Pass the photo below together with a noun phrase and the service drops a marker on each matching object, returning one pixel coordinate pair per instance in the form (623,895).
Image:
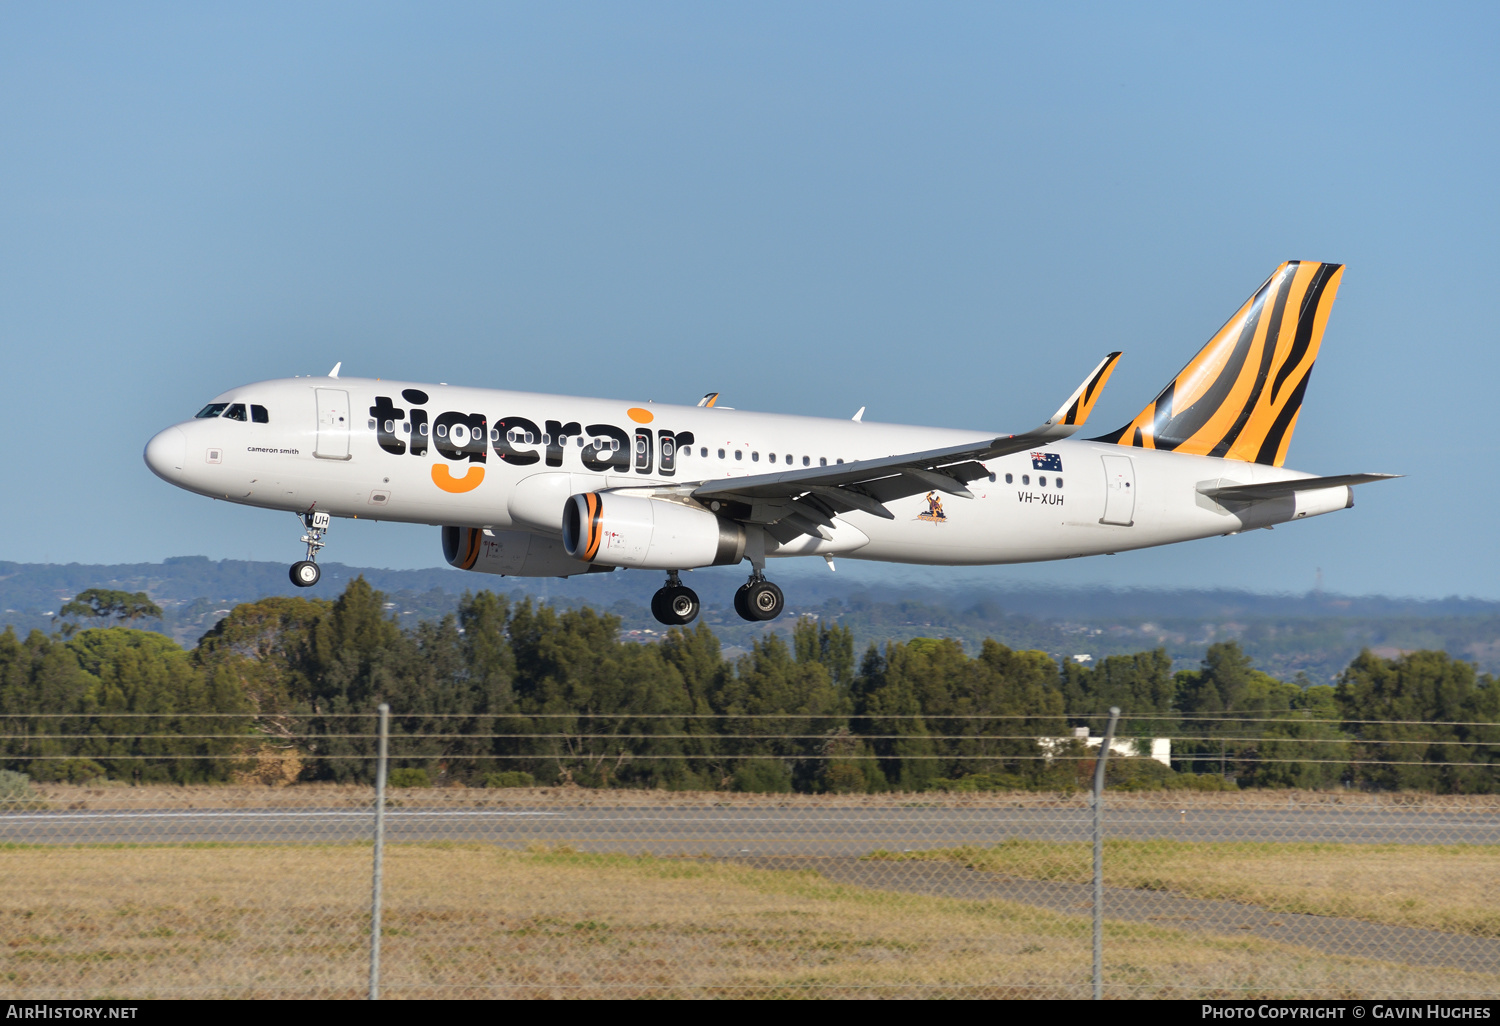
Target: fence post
(1109,736)
(380,760)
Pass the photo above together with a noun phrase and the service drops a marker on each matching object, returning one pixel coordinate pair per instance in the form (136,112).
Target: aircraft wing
(1276,489)
(796,502)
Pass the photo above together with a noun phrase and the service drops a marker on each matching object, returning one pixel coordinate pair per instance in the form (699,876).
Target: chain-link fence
(261,886)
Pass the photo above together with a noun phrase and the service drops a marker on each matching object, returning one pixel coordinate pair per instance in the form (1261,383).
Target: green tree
(1439,715)
(100,604)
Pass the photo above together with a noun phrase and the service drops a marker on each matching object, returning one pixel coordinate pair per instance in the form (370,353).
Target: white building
(1161,747)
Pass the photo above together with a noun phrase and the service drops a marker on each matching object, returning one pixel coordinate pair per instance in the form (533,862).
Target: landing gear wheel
(305,573)
(675,606)
(759,600)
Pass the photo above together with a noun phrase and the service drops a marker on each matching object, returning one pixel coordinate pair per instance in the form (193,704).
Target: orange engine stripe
(596,509)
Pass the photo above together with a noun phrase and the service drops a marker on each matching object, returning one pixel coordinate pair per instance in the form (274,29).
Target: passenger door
(333,424)
(1119,491)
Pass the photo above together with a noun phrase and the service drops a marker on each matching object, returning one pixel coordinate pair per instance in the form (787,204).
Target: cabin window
(406,427)
(1026,479)
(789,459)
(640,447)
(211,410)
(721,454)
(1057,481)
(807,461)
(838,460)
(442,430)
(992,479)
(703,451)
(546,439)
(771,457)
(260,415)
(372,424)
(1009,479)
(755,457)
(235,412)
(422,430)
(738,454)
(390,427)
(822,461)
(1041,482)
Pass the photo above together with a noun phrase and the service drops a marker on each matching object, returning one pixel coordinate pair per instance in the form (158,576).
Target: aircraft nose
(166,454)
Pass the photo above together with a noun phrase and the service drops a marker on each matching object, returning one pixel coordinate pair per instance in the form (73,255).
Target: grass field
(1441,887)
(474,920)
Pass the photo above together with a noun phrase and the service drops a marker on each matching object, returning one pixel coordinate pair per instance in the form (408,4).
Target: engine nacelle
(653,534)
(511,553)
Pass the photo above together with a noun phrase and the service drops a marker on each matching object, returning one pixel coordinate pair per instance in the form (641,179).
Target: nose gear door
(333,424)
(1119,491)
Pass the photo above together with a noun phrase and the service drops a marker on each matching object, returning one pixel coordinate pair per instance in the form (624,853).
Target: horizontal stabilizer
(1277,489)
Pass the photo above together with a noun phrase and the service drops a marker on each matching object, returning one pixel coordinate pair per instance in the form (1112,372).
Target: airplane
(533,485)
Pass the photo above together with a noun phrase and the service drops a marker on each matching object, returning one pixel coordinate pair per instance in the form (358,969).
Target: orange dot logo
(639,415)
(448,483)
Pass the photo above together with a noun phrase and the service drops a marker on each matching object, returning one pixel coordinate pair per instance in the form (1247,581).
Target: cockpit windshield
(234,411)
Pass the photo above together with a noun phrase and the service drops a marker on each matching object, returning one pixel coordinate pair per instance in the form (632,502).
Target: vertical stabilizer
(1239,397)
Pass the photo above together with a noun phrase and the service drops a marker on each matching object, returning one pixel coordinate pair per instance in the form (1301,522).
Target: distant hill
(1313,634)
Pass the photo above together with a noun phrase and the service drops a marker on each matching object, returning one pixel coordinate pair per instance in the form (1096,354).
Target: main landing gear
(674,604)
(305,572)
(759,599)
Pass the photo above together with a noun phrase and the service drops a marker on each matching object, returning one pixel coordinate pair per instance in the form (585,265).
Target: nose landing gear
(306,572)
(673,604)
(759,599)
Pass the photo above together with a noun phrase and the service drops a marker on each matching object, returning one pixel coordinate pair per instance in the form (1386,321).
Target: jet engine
(511,553)
(655,534)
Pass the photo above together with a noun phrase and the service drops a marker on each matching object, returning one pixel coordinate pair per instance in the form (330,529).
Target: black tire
(741,606)
(658,609)
(679,606)
(305,573)
(764,601)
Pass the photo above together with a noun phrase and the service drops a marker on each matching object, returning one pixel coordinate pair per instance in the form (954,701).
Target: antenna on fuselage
(335,372)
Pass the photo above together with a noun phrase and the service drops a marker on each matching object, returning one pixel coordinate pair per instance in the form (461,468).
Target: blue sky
(945,213)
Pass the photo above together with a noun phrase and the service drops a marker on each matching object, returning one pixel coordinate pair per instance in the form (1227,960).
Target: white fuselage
(356,448)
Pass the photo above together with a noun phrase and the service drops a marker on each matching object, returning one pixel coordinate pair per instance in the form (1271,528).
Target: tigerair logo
(470,438)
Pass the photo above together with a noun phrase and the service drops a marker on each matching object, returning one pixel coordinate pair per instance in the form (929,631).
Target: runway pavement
(735,831)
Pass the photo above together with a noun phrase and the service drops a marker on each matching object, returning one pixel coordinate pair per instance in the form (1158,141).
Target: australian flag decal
(1046,461)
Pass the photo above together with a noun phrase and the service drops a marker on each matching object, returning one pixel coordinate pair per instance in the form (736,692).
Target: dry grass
(474,920)
(120,796)
(1440,887)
